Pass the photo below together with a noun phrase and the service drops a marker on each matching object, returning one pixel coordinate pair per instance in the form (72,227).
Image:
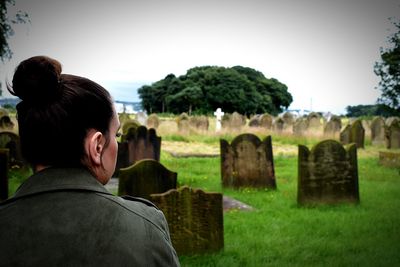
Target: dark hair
(56,112)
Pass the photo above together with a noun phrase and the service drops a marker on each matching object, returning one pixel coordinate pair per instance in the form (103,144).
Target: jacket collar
(59,179)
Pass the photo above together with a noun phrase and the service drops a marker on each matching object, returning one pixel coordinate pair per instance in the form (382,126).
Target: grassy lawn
(279,232)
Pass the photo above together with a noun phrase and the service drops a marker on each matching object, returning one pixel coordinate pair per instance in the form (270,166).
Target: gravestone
(327,174)
(266,121)
(279,124)
(10,140)
(138,143)
(146,177)
(255,121)
(247,162)
(300,127)
(378,131)
(218,118)
(4,154)
(124,117)
(289,119)
(195,219)
(333,126)
(199,123)
(314,120)
(183,123)
(233,122)
(153,121)
(6,124)
(353,133)
(141,117)
(393,135)
(128,124)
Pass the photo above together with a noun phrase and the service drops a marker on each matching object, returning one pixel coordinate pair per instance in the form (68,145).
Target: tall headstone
(144,178)
(333,126)
(279,124)
(183,123)
(353,133)
(4,174)
(195,219)
(218,118)
(300,127)
(247,162)
(327,174)
(378,131)
(153,121)
(138,143)
(314,120)
(266,121)
(393,135)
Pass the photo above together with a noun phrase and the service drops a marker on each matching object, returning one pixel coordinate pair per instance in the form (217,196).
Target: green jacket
(65,217)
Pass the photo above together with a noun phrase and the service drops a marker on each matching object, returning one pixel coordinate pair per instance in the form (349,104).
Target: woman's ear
(94,147)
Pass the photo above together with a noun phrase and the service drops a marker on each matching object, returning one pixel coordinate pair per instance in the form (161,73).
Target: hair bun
(37,79)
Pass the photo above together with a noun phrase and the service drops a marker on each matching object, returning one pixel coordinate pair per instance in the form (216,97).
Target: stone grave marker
(279,124)
(353,133)
(314,120)
(4,154)
(183,123)
(300,127)
(10,140)
(327,174)
(289,119)
(199,123)
(389,159)
(255,121)
(393,135)
(378,131)
(195,219)
(138,143)
(266,121)
(218,118)
(124,117)
(233,122)
(146,177)
(128,124)
(6,124)
(153,121)
(247,162)
(333,126)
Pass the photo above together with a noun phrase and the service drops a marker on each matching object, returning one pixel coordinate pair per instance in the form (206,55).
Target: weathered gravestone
(314,120)
(6,124)
(146,177)
(4,153)
(327,174)
(233,122)
(393,135)
(138,143)
(183,123)
(124,117)
(333,126)
(279,124)
(378,131)
(128,124)
(195,219)
(353,133)
(199,123)
(9,140)
(153,121)
(255,121)
(266,121)
(300,127)
(218,119)
(247,162)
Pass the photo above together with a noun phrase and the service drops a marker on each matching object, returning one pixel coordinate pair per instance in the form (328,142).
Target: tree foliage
(389,71)
(204,89)
(371,110)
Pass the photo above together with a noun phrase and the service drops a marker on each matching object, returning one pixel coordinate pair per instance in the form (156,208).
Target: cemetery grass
(281,233)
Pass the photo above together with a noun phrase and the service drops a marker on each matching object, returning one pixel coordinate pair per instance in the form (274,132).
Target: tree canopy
(204,89)
(389,71)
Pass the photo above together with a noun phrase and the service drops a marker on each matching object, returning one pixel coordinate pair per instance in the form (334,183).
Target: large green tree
(204,89)
(389,71)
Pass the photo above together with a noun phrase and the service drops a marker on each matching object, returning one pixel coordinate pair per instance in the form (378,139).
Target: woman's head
(57,112)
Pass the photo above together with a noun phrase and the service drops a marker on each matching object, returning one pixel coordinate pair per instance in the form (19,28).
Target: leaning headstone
(327,174)
(353,133)
(333,126)
(4,174)
(153,121)
(393,135)
(9,140)
(218,118)
(144,178)
(378,131)
(247,162)
(195,219)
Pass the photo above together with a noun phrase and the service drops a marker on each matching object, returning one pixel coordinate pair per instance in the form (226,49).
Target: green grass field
(279,232)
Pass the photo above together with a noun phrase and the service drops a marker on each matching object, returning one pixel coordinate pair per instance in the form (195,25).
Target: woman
(63,215)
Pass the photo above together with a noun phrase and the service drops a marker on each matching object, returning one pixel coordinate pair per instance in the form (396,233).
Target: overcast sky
(323,50)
